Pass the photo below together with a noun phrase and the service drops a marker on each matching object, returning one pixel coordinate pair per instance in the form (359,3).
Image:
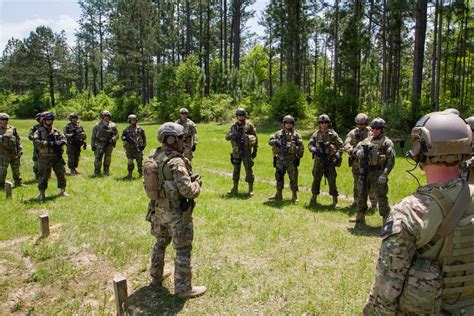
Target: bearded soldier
(355,136)
(104,138)
(10,151)
(326,147)
(134,142)
(426,260)
(190,132)
(76,138)
(50,141)
(468,166)
(172,188)
(39,119)
(288,149)
(243,138)
(376,158)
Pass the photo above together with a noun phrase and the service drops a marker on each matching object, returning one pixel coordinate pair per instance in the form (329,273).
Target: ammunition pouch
(275,161)
(235,158)
(351,161)
(276,150)
(104,134)
(171,190)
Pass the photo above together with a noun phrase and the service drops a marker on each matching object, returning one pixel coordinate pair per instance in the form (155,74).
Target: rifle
(128,137)
(187,205)
(283,146)
(240,138)
(322,146)
(57,147)
(109,139)
(364,168)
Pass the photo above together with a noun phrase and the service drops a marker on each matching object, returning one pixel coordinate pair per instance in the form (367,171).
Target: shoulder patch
(391,227)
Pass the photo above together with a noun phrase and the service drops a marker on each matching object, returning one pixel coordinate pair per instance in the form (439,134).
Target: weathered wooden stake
(44,225)
(121,296)
(8,189)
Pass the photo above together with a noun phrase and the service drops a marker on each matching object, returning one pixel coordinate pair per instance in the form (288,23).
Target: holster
(187,207)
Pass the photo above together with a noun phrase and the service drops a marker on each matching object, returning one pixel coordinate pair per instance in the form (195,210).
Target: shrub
(217,108)
(288,100)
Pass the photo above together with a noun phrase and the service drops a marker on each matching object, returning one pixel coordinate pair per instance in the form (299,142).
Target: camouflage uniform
(76,138)
(352,139)
(381,160)
(190,137)
(411,225)
(166,216)
(10,153)
(35,150)
(288,149)
(134,142)
(238,135)
(104,138)
(50,156)
(325,146)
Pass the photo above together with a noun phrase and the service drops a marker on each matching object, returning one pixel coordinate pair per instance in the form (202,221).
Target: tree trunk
(434,61)
(208,52)
(236,7)
(420,33)
(438,57)
(225,36)
(464,52)
(188,28)
(384,53)
(51,82)
(270,59)
(336,44)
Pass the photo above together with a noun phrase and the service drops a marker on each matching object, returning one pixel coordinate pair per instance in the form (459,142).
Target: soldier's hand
(84,146)
(51,144)
(382,179)
(193,147)
(360,154)
(234,137)
(58,143)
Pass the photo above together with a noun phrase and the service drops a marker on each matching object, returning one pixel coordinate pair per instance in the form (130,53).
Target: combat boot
(19,184)
(294,196)
(359,218)
(277,197)
(194,292)
(129,175)
(159,281)
(334,201)
(73,172)
(63,192)
(250,189)
(42,195)
(235,188)
(373,207)
(314,200)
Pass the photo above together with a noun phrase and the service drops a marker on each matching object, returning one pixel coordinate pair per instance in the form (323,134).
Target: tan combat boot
(63,192)
(250,189)
(314,200)
(159,281)
(129,175)
(73,172)
(42,195)
(294,196)
(194,292)
(235,188)
(334,201)
(277,197)
(359,218)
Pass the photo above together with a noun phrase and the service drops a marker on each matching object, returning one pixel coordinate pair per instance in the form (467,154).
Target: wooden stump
(44,219)
(8,189)
(121,296)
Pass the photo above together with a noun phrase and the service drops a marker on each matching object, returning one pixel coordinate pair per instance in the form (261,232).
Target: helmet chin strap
(410,171)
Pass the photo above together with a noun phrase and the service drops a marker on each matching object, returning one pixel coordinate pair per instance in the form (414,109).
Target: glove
(360,154)
(382,179)
(142,148)
(336,159)
(234,137)
(254,154)
(93,148)
(84,146)
(58,143)
(193,147)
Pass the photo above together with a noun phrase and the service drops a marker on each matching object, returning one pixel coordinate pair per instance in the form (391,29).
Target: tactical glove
(382,179)
(336,159)
(58,143)
(234,137)
(193,147)
(297,162)
(360,154)
(51,144)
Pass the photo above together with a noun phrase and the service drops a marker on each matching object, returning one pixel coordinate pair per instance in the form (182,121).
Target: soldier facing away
(39,119)
(354,137)
(104,138)
(50,141)
(190,132)
(468,166)
(326,147)
(426,258)
(172,188)
(243,138)
(376,158)
(10,151)
(76,138)
(134,142)
(288,149)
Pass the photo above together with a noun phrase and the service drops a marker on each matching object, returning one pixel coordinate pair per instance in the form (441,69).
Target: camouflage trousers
(372,195)
(187,151)
(14,162)
(35,161)
(182,237)
(133,154)
(282,167)
(328,170)
(45,164)
(237,160)
(73,155)
(105,152)
(380,190)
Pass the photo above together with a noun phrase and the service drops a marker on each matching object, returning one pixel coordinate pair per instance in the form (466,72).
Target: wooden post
(8,189)
(44,225)
(121,296)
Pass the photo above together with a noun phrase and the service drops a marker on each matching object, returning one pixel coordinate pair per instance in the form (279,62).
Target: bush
(217,108)
(26,106)
(88,107)
(288,100)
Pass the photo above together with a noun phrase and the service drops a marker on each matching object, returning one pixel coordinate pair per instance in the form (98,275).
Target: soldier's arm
(253,131)
(65,131)
(115,133)
(228,136)
(144,138)
(61,137)
(347,143)
(339,143)
(273,139)
(390,152)
(195,133)
(312,144)
(19,148)
(31,133)
(38,141)
(93,136)
(186,187)
(299,142)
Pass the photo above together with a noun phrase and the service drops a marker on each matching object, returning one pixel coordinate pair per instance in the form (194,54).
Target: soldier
(172,188)
(326,147)
(288,149)
(355,136)
(39,119)
(190,132)
(376,157)
(10,151)
(49,141)
(104,138)
(76,138)
(243,138)
(134,142)
(468,166)
(425,260)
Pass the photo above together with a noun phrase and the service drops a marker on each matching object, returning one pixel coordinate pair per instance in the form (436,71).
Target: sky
(19,17)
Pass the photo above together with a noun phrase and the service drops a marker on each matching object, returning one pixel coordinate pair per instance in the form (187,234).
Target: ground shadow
(154,300)
(237,196)
(279,203)
(32,181)
(34,200)
(124,178)
(362,229)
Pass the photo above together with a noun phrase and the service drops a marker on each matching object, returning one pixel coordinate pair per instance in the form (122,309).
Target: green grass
(253,255)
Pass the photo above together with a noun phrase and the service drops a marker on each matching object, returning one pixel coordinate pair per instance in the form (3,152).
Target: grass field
(254,256)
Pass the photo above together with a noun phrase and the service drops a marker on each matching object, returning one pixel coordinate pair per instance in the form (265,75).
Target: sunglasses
(3,119)
(379,128)
(323,122)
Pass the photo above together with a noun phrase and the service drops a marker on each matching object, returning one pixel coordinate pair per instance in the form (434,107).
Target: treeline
(395,58)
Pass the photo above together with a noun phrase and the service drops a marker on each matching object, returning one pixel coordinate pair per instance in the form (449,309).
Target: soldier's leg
(382,191)
(70,156)
(373,198)
(139,158)
(107,158)
(59,170)
(293,176)
(15,165)
(4,161)
(163,239)
(99,153)
(355,176)
(248,165)
(331,174)
(76,156)
(364,188)
(182,242)
(35,162)
(318,172)
(44,172)
(236,163)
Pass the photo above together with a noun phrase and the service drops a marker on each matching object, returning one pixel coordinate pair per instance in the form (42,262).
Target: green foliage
(188,75)
(87,106)
(288,99)
(126,105)
(27,105)
(217,108)
(169,97)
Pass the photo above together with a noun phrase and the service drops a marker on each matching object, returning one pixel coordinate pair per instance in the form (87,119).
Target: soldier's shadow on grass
(238,196)
(34,200)
(124,179)
(152,300)
(279,203)
(329,208)
(362,229)
(31,181)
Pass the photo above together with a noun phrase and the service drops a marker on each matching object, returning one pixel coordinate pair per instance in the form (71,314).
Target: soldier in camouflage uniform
(39,119)
(50,141)
(468,166)
(171,206)
(243,138)
(104,138)
(134,142)
(326,147)
(376,158)
(190,132)
(355,136)
(10,151)
(288,149)
(76,138)
(426,260)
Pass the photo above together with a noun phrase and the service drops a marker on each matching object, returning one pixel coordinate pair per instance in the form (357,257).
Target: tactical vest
(358,136)
(287,144)
(45,135)
(78,133)
(377,152)
(136,135)
(329,140)
(247,141)
(188,133)
(9,138)
(104,132)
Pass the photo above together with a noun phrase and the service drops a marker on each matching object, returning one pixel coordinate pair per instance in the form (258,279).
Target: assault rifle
(364,168)
(56,145)
(128,137)
(187,205)
(239,138)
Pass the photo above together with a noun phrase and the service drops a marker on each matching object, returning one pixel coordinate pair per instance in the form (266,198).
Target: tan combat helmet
(470,121)
(105,113)
(170,129)
(324,118)
(441,137)
(131,117)
(452,111)
(241,111)
(4,116)
(73,115)
(361,118)
(183,111)
(288,118)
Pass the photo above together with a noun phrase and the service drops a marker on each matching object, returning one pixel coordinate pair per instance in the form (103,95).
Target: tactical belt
(375,168)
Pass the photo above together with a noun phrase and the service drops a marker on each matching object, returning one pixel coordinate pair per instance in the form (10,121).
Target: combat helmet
(377,122)
(288,118)
(48,116)
(470,121)
(130,117)
(39,116)
(4,116)
(105,113)
(361,118)
(241,111)
(324,118)
(170,129)
(73,115)
(183,111)
(452,111)
(441,137)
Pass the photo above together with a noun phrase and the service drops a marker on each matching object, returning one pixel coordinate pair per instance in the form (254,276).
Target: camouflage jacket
(134,138)
(190,131)
(381,152)
(10,141)
(328,142)
(238,135)
(287,145)
(354,137)
(32,131)
(44,138)
(412,224)
(104,134)
(75,134)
